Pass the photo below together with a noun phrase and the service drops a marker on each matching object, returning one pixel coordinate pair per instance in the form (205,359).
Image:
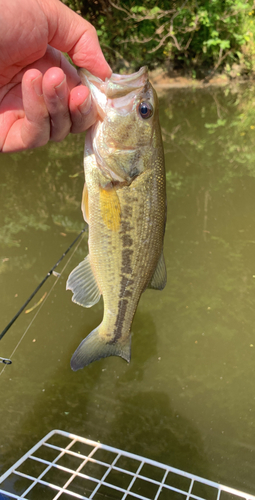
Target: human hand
(41,98)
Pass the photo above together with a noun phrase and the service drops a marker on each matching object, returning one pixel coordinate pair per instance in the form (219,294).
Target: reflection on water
(187,398)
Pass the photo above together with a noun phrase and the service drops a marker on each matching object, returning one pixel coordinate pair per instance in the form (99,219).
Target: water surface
(188,396)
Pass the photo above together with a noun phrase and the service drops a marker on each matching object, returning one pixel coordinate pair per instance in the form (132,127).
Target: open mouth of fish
(118,92)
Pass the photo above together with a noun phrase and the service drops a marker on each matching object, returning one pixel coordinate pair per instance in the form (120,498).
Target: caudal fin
(95,347)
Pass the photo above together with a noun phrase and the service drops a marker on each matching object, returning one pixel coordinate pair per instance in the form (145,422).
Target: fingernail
(61,89)
(37,84)
(86,106)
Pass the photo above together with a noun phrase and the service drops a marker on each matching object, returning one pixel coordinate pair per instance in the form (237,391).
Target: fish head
(122,138)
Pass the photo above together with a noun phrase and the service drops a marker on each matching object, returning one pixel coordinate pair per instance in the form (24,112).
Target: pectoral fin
(158,281)
(82,283)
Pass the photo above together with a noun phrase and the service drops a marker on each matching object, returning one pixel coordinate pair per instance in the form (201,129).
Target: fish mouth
(117,85)
(117,92)
(121,85)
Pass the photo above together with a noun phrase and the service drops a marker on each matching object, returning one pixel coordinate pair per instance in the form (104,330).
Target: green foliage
(191,34)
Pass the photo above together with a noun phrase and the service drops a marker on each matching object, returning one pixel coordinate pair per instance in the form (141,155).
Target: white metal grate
(65,466)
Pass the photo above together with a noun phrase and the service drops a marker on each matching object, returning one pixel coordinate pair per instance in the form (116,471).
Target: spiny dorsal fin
(158,281)
(82,283)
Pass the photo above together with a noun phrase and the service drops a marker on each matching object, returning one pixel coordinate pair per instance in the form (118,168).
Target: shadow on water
(187,397)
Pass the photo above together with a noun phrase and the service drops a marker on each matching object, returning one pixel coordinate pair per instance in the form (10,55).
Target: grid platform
(65,466)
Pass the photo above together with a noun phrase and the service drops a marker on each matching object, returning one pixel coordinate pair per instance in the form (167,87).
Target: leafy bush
(190,34)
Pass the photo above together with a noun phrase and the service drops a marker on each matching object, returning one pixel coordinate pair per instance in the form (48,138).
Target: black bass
(124,203)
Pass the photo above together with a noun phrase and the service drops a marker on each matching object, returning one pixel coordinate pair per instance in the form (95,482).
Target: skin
(41,97)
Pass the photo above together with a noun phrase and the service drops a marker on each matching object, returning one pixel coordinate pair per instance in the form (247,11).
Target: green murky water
(188,396)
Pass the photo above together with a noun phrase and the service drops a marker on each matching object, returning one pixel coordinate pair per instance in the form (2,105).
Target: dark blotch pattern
(123,303)
(126,272)
(127,240)
(126,261)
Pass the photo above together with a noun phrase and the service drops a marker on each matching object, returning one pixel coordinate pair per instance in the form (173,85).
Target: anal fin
(82,283)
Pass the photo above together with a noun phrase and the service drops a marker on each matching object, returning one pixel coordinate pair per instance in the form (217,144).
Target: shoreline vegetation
(183,42)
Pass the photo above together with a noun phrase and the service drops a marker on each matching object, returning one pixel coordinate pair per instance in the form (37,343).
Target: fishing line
(7,361)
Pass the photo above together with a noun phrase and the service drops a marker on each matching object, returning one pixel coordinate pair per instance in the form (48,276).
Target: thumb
(68,32)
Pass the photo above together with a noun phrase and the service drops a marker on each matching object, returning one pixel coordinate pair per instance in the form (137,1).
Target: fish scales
(126,229)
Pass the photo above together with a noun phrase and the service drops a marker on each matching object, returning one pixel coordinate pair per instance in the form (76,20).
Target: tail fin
(95,347)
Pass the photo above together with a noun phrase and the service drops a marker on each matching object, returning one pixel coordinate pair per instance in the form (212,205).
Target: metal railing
(65,466)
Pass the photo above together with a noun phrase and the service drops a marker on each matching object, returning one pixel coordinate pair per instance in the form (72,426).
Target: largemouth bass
(124,203)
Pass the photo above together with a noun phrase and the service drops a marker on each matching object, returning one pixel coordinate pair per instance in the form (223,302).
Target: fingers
(35,128)
(56,96)
(83,112)
(69,112)
(25,119)
(53,58)
(44,110)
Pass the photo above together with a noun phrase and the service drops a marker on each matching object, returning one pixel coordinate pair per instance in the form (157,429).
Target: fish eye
(145,110)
